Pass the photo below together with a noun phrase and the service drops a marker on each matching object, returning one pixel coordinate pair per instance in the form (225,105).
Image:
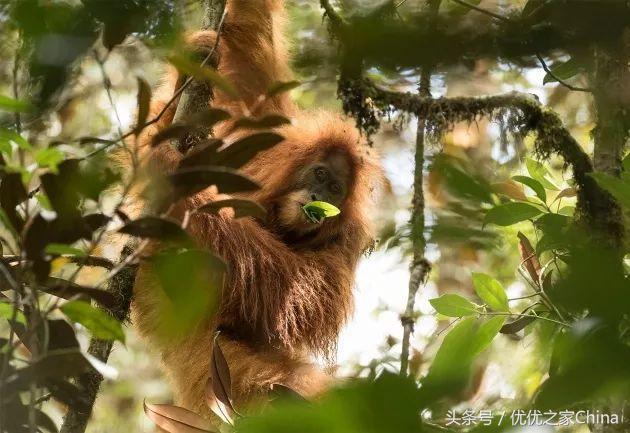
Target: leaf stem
(558,79)
(566,325)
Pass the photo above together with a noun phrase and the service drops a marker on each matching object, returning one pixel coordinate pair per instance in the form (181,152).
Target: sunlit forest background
(470,167)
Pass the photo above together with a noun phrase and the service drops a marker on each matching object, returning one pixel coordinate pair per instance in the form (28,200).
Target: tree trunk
(198,94)
(611,92)
(121,285)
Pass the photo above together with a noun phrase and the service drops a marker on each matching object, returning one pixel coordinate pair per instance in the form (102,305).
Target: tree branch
(481,10)
(420,266)
(121,285)
(368,104)
(198,93)
(334,17)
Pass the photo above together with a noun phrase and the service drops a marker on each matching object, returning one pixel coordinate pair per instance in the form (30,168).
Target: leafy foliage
(56,209)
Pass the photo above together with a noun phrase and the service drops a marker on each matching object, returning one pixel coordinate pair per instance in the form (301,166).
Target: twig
(559,80)
(524,297)
(108,89)
(16,70)
(482,10)
(451,323)
(566,325)
(92,261)
(437,426)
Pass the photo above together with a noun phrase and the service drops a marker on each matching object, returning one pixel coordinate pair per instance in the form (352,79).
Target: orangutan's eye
(320,174)
(335,188)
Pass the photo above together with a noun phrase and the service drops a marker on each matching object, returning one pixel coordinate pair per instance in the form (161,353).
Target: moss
(519,115)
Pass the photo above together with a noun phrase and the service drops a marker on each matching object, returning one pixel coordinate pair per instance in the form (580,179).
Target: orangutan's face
(325,180)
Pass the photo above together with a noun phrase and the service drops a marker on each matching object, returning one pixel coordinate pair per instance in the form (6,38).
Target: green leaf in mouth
(316,211)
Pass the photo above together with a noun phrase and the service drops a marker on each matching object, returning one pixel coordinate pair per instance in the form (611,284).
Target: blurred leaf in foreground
(389,404)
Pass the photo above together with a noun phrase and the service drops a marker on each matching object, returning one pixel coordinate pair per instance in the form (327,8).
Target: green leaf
(49,157)
(7,224)
(451,366)
(564,71)
(6,312)
(567,192)
(534,185)
(618,188)
(490,291)
(63,249)
(95,320)
(13,105)
(189,67)
(540,173)
(188,181)
(281,87)
(517,325)
(154,228)
(511,213)
(43,201)
(7,135)
(205,119)
(242,151)
(316,211)
(144,102)
(391,403)
(455,175)
(56,364)
(487,330)
(190,282)
(267,122)
(5,147)
(452,305)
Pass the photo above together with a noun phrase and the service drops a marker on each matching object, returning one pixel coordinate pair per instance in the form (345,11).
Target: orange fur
(284,300)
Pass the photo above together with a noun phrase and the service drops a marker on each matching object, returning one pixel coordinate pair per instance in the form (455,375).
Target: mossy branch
(524,114)
(420,267)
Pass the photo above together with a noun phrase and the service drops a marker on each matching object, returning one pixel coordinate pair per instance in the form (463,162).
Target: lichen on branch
(521,113)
